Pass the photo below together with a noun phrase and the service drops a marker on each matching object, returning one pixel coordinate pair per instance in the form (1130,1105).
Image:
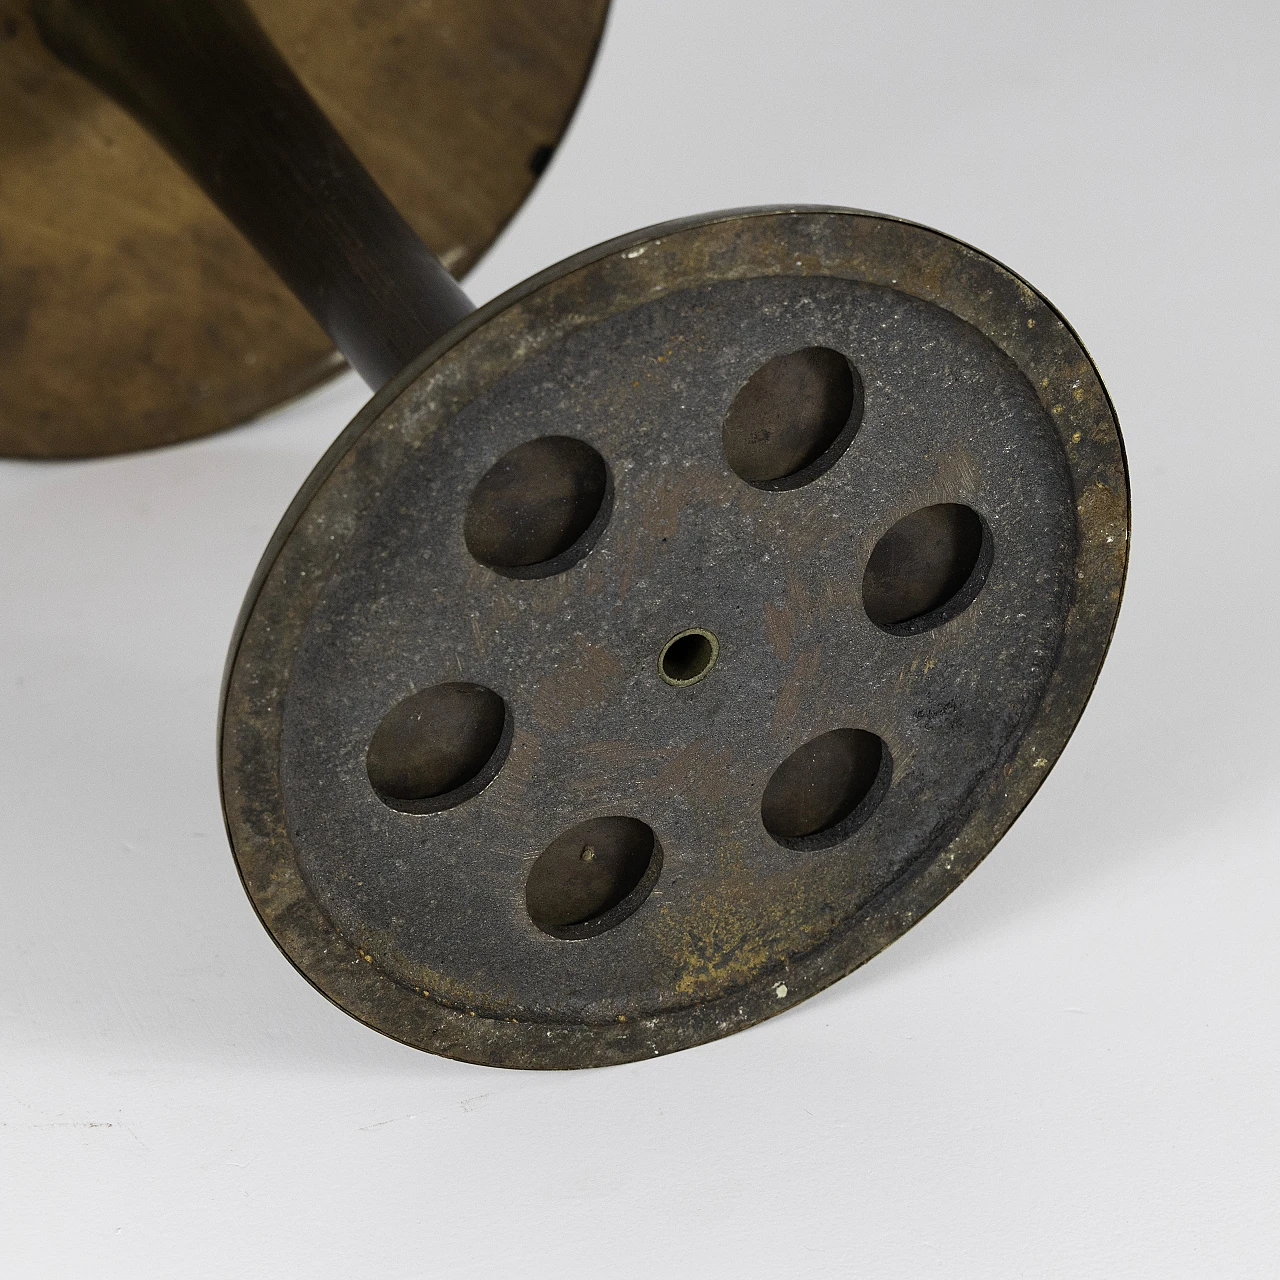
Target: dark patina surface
(974,392)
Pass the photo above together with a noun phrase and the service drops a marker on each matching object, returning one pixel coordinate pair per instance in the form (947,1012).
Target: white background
(1069,1069)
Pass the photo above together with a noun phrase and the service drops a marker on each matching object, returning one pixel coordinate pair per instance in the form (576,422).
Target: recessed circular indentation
(540,508)
(793,418)
(438,747)
(823,791)
(929,567)
(592,877)
(687,657)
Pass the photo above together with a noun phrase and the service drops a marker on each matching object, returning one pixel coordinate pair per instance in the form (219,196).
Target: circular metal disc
(734,732)
(132,314)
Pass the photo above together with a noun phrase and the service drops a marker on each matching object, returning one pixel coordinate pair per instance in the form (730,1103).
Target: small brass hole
(687,657)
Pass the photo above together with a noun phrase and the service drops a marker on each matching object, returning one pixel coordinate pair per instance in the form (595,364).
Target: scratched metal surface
(975,392)
(438,899)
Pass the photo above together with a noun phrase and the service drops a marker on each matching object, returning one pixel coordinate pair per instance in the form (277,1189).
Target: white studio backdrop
(1068,1070)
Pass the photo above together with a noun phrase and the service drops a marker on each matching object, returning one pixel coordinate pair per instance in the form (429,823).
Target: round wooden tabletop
(132,314)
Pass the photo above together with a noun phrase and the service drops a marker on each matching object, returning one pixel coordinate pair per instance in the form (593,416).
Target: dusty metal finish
(133,315)
(974,394)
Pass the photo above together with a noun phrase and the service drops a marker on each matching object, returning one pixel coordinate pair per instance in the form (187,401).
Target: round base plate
(132,314)
(673,636)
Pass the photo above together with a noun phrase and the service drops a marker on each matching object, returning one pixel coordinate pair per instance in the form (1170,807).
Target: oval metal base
(896,585)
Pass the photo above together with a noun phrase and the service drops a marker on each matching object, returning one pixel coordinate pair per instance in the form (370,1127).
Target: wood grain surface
(133,315)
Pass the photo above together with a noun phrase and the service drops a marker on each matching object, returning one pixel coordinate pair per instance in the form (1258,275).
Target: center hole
(687,657)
